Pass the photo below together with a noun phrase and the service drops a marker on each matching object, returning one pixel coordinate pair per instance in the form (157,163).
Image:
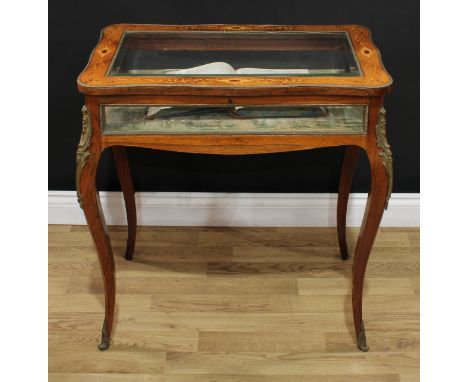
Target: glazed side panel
(229,144)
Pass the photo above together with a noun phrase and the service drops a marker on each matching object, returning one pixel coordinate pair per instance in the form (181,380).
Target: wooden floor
(232,305)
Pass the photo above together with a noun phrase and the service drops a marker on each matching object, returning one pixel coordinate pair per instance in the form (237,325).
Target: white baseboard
(233,209)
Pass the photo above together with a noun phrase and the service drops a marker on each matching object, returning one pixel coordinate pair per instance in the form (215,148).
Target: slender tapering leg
(87,159)
(346,180)
(125,177)
(380,160)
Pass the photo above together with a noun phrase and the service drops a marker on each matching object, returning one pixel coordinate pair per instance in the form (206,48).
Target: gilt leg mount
(384,152)
(105,339)
(82,153)
(362,340)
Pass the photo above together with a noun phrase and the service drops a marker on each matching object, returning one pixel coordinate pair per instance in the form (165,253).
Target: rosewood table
(234,89)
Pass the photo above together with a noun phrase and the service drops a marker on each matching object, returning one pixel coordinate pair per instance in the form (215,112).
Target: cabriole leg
(346,180)
(380,159)
(126,183)
(87,159)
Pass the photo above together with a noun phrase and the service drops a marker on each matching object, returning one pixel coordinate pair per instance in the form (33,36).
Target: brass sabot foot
(362,340)
(105,340)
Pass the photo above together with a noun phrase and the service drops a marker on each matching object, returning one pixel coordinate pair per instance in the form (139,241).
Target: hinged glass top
(220,53)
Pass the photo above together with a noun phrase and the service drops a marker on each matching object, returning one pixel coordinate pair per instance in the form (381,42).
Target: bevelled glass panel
(209,53)
(196,119)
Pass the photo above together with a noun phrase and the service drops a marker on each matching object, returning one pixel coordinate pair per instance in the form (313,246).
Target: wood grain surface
(233,304)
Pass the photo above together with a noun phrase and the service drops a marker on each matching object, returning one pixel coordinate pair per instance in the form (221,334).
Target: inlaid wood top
(235,60)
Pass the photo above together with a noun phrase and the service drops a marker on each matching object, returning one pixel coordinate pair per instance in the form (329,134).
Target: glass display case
(234,90)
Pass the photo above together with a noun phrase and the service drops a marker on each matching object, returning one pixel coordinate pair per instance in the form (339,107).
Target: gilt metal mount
(82,153)
(105,339)
(385,153)
(362,340)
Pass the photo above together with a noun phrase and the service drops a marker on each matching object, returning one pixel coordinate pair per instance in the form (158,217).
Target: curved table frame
(374,143)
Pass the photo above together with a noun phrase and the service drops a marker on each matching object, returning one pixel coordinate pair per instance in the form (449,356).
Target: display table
(232,89)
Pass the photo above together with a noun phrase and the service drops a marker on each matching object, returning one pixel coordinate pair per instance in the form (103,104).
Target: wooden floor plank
(190,285)
(281,303)
(315,254)
(159,341)
(79,302)
(341,286)
(291,363)
(117,361)
(89,377)
(284,341)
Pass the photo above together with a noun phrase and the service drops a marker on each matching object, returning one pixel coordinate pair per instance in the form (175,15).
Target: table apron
(233,144)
